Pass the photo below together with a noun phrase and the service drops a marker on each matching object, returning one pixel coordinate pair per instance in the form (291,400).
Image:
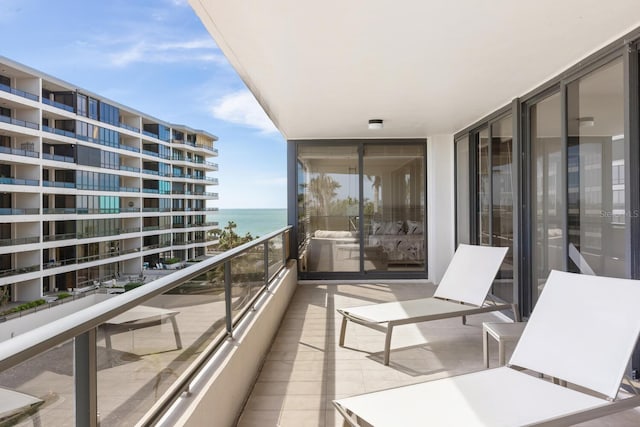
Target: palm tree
(323,189)
(376,184)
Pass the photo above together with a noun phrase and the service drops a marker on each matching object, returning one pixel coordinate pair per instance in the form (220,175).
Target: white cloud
(242,108)
(200,50)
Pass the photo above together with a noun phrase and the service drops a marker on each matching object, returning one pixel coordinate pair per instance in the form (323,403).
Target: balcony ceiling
(323,69)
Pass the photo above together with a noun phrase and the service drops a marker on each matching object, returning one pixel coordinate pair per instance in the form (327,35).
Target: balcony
(56,104)
(18,122)
(19,152)
(59,184)
(58,158)
(19,181)
(167,345)
(19,270)
(174,333)
(20,241)
(131,128)
(19,211)
(19,92)
(60,132)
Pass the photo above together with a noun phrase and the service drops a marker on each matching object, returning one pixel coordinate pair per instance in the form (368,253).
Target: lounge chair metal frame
(471,266)
(468,310)
(579,334)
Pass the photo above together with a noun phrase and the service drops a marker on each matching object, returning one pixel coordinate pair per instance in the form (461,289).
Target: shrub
(25,306)
(171,261)
(132,285)
(63,295)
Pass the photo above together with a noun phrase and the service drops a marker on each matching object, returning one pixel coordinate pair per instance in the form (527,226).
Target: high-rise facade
(90,189)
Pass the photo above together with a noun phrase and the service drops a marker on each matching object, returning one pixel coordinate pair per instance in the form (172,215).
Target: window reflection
(547,196)
(390,235)
(595,158)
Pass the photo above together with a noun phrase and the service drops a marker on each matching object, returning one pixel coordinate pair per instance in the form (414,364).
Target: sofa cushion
(394,227)
(414,227)
(335,234)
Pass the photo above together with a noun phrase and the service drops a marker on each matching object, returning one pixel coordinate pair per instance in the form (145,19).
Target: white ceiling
(322,69)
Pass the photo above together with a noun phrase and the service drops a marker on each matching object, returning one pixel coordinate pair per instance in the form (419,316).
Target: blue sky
(155,56)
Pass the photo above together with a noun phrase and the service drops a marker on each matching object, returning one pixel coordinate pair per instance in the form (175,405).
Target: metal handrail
(29,344)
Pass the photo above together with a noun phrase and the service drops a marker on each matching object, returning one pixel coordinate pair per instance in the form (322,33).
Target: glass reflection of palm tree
(376,183)
(323,189)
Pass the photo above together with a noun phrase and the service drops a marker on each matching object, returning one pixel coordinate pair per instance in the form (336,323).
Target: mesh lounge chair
(461,292)
(580,332)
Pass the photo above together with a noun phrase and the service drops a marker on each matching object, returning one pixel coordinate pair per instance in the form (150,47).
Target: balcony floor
(306,369)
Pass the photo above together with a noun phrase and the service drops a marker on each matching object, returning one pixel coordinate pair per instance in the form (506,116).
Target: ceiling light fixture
(375,124)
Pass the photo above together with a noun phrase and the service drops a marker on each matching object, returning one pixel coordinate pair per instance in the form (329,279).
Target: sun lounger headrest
(470,273)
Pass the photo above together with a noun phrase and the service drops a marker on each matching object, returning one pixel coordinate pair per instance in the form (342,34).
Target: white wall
(440,204)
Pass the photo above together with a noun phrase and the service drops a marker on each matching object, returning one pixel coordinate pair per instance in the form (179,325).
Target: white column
(440,204)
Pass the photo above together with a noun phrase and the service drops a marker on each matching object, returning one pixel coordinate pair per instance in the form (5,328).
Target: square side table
(501,332)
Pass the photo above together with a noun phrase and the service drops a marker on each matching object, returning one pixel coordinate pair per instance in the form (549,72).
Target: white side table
(501,332)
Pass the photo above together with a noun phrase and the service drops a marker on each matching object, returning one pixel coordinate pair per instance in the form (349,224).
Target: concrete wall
(440,204)
(218,395)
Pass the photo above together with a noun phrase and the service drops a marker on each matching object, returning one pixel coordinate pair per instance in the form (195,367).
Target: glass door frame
(473,133)
(627,48)
(293,209)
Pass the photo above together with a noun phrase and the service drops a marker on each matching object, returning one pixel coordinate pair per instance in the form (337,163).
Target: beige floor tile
(306,369)
(315,418)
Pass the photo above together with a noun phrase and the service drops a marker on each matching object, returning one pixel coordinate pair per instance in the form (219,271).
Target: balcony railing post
(86,379)
(266,264)
(227,296)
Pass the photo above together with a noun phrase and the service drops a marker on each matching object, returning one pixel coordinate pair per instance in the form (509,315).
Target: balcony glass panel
(48,377)
(148,347)
(247,272)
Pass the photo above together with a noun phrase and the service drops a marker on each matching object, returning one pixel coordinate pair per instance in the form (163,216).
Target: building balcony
(19,92)
(19,270)
(56,104)
(59,184)
(19,211)
(19,152)
(19,181)
(58,158)
(254,352)
(60,132)
(131,128)
(20,241)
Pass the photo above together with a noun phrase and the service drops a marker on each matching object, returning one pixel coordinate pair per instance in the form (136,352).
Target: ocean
(258,222)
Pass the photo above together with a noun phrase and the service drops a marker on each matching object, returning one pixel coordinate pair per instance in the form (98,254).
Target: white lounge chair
(461,292)
(582,331)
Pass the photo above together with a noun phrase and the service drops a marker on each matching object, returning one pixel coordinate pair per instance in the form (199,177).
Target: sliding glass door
(595,175)
(578,212)
(494,196)
(394,200)
(547,196)
(361,207)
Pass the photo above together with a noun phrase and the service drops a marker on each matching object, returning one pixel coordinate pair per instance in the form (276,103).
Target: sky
(155,56)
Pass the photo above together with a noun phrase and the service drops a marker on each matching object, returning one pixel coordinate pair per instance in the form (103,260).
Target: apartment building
(91,189)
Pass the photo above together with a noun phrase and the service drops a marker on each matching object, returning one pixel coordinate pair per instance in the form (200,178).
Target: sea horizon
(256,221)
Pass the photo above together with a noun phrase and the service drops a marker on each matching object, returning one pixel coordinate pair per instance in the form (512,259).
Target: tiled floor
(306,369)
